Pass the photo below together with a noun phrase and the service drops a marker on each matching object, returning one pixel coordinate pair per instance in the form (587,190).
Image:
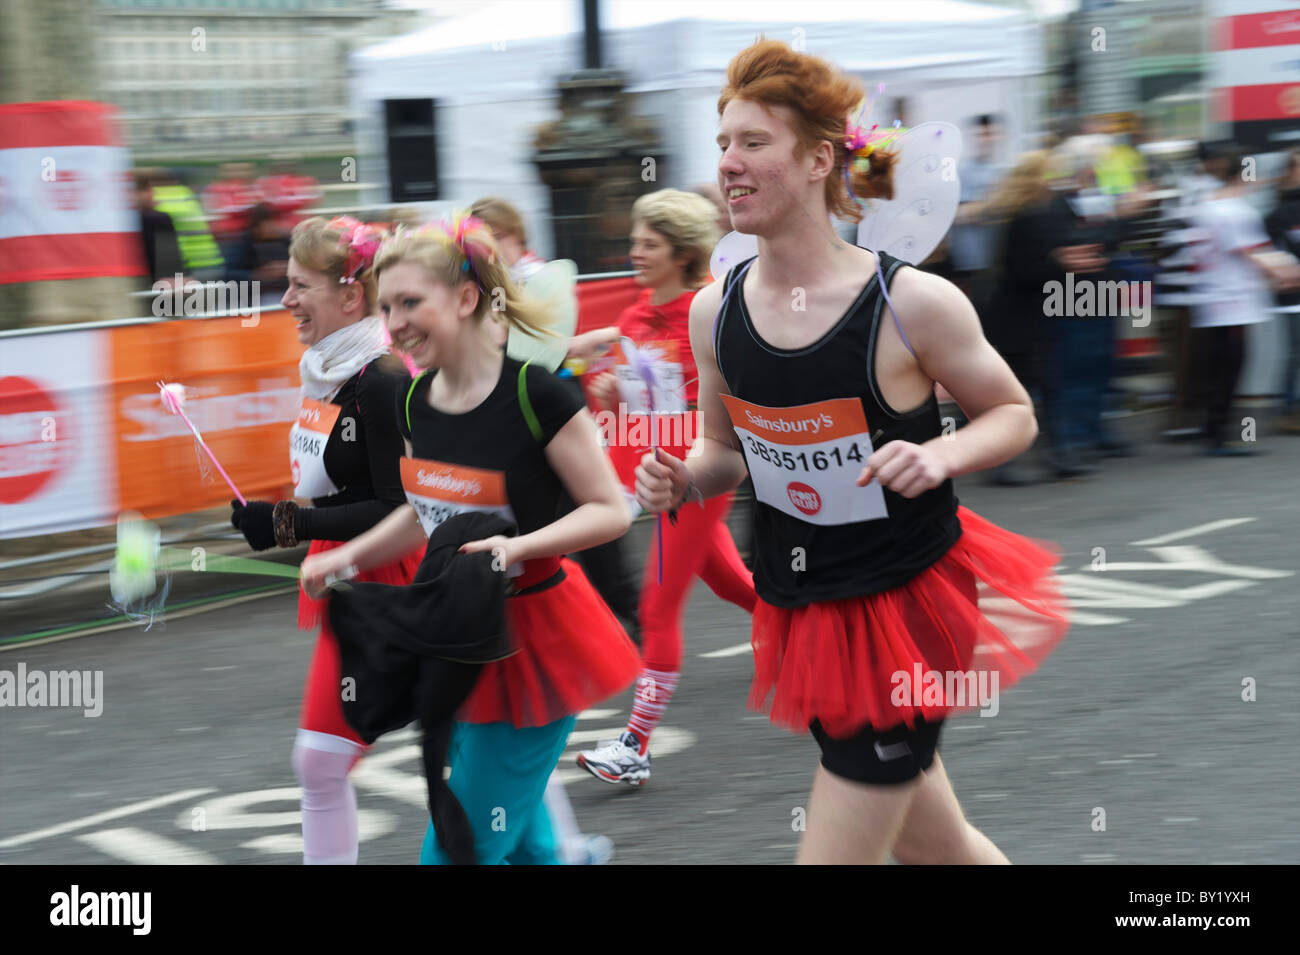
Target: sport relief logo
(34,439)
(805,498)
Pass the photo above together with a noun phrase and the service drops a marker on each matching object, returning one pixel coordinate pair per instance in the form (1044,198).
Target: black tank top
(844,560)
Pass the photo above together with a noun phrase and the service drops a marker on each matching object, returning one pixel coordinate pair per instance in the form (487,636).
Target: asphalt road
(1137,721)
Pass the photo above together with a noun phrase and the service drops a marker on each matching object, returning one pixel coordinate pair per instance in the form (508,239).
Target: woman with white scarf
(344,456)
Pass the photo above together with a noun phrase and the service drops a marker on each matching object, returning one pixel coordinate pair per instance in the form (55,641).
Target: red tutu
(975,622)
(399,572)
(572,653)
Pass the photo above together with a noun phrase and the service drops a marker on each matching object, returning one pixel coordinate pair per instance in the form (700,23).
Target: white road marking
(735,651)
(1193,531)
(371,824)
(138,847)
(1189,557)
(376,774)
(111,814)
(597,714)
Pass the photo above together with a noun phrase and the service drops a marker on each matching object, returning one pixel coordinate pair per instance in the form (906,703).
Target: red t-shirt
(646,324)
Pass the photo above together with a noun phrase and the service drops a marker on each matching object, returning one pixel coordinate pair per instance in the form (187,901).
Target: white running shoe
(618,761)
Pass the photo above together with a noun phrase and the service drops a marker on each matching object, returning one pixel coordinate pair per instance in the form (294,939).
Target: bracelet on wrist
(691,491)
(282,520)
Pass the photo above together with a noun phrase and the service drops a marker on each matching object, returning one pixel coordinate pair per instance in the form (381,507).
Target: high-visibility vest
(1120,171)
(198,248)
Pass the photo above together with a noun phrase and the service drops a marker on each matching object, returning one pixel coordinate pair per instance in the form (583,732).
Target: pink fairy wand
(173,396)
(644,368)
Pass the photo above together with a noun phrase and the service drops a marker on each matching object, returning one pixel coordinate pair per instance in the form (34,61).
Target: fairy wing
(554,287)
(732,249)
(927,192)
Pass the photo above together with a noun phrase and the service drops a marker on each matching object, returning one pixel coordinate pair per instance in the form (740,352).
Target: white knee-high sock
(321,762)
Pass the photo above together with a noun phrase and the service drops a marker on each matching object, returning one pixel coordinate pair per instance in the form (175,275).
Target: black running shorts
(895,756)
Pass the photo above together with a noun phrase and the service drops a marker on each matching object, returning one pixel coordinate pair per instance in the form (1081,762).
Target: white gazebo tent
(492,76)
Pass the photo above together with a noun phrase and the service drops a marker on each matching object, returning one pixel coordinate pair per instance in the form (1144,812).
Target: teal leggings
(499,774)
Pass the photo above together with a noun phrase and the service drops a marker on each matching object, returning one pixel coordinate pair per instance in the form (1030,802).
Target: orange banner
(242,394)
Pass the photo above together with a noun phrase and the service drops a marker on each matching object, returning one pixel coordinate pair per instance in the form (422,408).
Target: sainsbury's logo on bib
(815,423)
(447,481)
(786,426)
(805,498)
(453,484)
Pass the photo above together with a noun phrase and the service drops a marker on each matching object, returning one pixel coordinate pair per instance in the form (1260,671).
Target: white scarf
(338,356)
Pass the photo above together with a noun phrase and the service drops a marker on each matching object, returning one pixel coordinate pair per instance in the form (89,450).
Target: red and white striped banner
(66,208)
(1255,67)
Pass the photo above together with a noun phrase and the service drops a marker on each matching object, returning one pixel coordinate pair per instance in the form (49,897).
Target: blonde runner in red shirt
(673,234)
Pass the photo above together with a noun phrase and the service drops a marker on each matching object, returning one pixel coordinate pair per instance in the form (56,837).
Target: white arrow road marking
(1094,590)
(1189,557)
(1193,531)
(111,814)
(138,847)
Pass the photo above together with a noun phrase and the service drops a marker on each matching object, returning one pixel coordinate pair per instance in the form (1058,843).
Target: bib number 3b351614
(805,460)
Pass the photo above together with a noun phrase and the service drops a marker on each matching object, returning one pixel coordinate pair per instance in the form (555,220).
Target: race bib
(805,460)
(439,491)
(633,391)
(307,440)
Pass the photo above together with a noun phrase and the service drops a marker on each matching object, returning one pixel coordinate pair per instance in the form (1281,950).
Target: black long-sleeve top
(366,468)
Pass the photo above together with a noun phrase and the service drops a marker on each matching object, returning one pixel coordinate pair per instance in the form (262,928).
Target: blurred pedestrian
(200,256)
(972,238)
(288,193)
(162,253)
(1067,243)
(262,254)
(229,201)
(1013,316)
(1283,225)
(1238,267)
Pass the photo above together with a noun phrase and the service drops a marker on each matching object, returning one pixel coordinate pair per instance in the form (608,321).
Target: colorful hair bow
(860,142)
(458,232)
(361,241)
